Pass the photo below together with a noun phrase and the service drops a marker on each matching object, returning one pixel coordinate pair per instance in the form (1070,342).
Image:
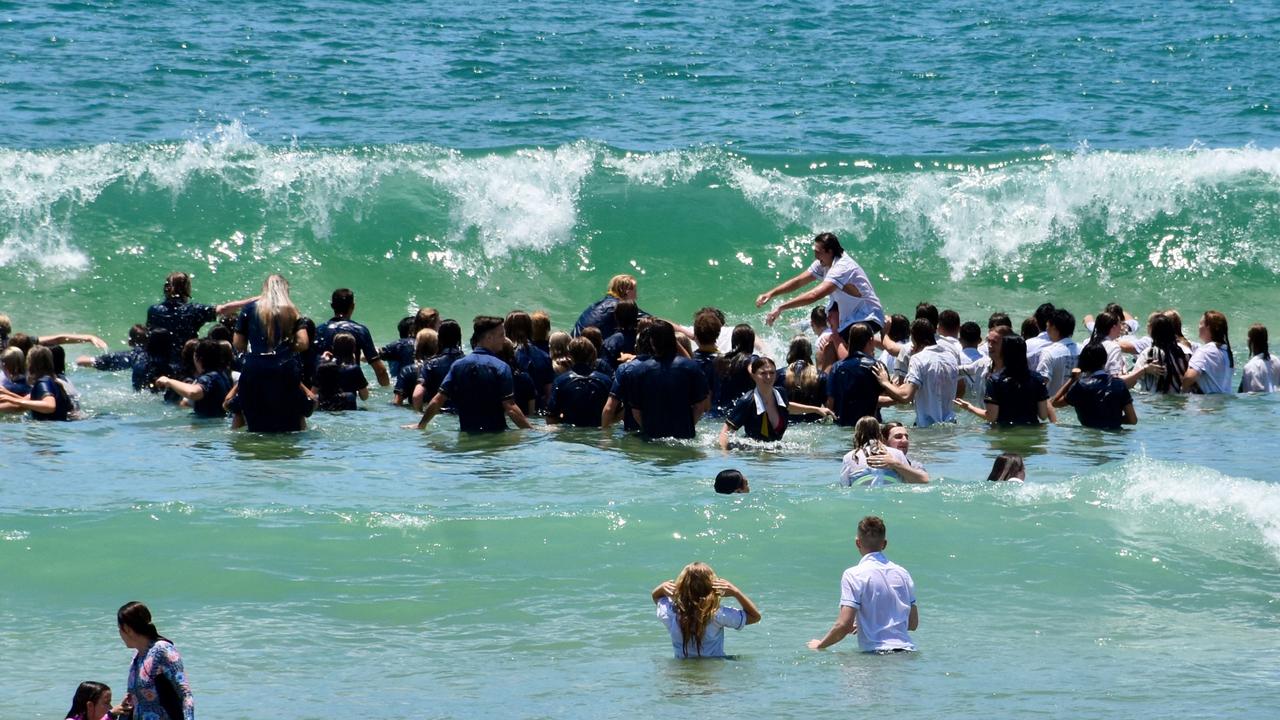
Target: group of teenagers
(270,367)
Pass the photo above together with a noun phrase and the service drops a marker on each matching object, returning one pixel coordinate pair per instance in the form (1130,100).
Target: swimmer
(435,368)
(690,608)
(480,384)
(529,358)
(425,346)
(731,482)
(1008,467)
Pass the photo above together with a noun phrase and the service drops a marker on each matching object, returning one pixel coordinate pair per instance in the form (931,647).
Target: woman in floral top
(158,688)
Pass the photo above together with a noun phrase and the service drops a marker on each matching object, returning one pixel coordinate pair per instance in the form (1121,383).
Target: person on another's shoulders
(343,303)
(600,313)
(839,276)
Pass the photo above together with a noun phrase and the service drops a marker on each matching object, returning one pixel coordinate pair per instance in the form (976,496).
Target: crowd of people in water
(269,367)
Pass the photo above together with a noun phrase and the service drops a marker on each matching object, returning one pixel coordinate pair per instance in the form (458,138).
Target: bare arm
(1130,415)
(700,408)
(795,283)
(611,413)
(727,588)
(431,410)
(1189,379)
(906,471)
(796,408)
(846,622)
(725,433)
(666,588)
(1060,397)
(517,417)
(233,307)
(991,413)
(240,342)
(73,338)
(808,298)
(190,391)
(380,371)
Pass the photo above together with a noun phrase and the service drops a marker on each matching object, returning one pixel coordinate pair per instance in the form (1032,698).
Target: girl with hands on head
(690,608)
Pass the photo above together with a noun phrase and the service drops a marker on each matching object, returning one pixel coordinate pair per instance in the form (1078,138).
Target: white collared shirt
(1056,362)
(935,372)
(882,593)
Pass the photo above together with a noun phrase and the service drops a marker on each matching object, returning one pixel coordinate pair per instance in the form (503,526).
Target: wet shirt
(625,380)
(1100,400)
(158,684)
(578,397)
(854,388)
(706,360)
(216,385)
(122,360)
(1214,365)
(600,316)
(478,385)
(1261,374)
(182,319)
(537,363)
(750,414)
(364,341)
(844,271)
(398,355)
(623,341)
(17,387)
(250,325)
(1018,400)
(407,380)
(712,644)
(48,386)
(664,393)
(435,368)
(882,593)
(1057,360)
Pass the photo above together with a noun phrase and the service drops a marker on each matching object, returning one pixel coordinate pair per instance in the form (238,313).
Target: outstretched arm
(846,622)
(807,298)
(794,283)
(233,307)
(73,338)
(190,391)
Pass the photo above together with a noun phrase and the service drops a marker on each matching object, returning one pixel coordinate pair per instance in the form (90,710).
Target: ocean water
(478,159)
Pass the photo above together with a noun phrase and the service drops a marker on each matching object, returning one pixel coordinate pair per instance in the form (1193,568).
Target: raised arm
(231,308)
(795,283)
(1060,397)
(667,588)
(73,338)
(724,587)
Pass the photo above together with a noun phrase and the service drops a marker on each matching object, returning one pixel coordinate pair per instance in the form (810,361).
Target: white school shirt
(975,379)
(712,636)
(854,469)
(1056,362)
(953,344)
(1115,358)
(1214,366)
(882,593)
(845,271)
(1261,374)
(935,372)
(1035,346)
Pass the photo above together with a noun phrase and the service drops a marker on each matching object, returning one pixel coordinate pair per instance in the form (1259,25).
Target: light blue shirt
(712,637)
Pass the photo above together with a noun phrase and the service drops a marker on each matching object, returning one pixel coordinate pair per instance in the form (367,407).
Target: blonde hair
(866,435)
(620,286)
(275,310)
(696,602)
(14,362)
(426,343)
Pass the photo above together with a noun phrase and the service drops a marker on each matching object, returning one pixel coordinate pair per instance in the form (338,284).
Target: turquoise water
(518,155)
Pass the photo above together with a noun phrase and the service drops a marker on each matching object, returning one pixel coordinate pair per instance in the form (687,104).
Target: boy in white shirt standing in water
(877,598)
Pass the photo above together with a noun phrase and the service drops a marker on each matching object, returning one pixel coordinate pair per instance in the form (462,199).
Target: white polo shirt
(1261,374)
(1056,363)
(882,593)
(845,271)
(1035,346)
(935,372)
(1214,366)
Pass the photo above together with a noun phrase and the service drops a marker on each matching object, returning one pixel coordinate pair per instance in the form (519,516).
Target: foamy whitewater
(483,158)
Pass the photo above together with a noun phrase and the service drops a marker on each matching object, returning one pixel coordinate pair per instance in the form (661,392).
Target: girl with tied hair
(158,687)
(872,463)
(690,608)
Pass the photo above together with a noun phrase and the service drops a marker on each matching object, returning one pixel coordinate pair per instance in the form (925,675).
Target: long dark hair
(89,691)
(1164,339)
(1013,352)
(137,617)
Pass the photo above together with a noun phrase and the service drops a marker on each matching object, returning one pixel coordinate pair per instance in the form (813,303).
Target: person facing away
(933,379)
(529,358)
(399,353)
(207,391)
(1008,467)
(1262,373)
(667,393)
(600,313)
(48,398)
(270,396)
(578,396)
(343,303)
(877,598)
(1017,396)
(436,367)
(732,482)
(1162,360)
(92,701)
(158,686)
(1101,399)
(690,608)
(1059,356)
(480,385)
(339,379)
(855,384)
(183,318)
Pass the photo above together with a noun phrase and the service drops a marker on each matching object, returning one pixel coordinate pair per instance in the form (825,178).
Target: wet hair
(541,326)
(6,327)
(683,341)
(949,320)
(872,528)
(344,348)
(508,354)
(760,361)
(818,317)
(1177,321)
(707,327)
(343,301)
(830,243)
(449,334)
(928,311)
(40,363)
(138,335)
(220,333)
(210,355)
(644,338)
(1104,324)
(728,482)
(327,379)
(482,325)
(137,617)
(859,335)
(582,351)
(626,313)
(743,346)
(592,333)
(1164,337)
(1064,321)
(899,329)
(663,336)
(621,286)
(866,434)
(1043,314)
(88,692)
(1115,309)
(1013,353)
(695,601)
(804,383)
(159,342)
(426,343)
(178,285)
(1216,323)
(714,311)
(404,328)
(22,341)
(971,334)
(276,310)
(428,318)
(800,349)
(59,359)
(558,343)
(1006,466)
(1030,328)
(998,318)
(1258,341)
(1092,358)
(922,332)
(886,428)
(188,357)
(519,327)
(14,362)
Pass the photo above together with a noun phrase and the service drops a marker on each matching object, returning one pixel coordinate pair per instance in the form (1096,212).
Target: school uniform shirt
(435,368)
(398,354)
(1214,365)
(1175,368)
(750,414)
(122,360)
(706,360)
(479,385)
(664,393)
(216,385)
(854,469)
(623,341)
(1035,346)
(845,271)
(1057,361)
(600,316)
(1261,374)
(854,389)
(882,593)
(45,387)
(578,396)
(364,340)
(1019,401)
(1100,400)
(953,344)
(1115,358)
(182,319)
(936,373)
(712,636)
(625,383)
(407,380)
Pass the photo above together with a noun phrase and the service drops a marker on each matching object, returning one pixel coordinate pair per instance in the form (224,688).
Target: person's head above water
(871,535)
(487,332)
(826,248)
(343,302)
(729,482)
(623,287)
(1008,466)
(178,286)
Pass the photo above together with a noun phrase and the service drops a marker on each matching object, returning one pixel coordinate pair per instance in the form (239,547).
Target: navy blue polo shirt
(44,387)
(624,388)
(398,354)
(706,360)
(122,360)
(435,368)
(1018,400)
(734,385)
(663,392)
(407,380)
(578,396)
(216,385)
(364,341)
(1099,400)
(537,363)
(600,316)
(853,386)
(623,341)
(182,319)
(478,385)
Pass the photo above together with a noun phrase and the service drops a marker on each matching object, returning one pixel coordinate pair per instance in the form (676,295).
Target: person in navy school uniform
(13,363)
(339,379)
(625,315)
(343,302)
(854,383)
(532,360)
(1101,400)
(668,392)
(619,404)
(735,366)
(402,353)
(207,392)
(183,318)
(48,399)
(120,360)
(600,313)
(706,331)
(578,396)
(763,412)
(480,384)
(436,367)
(425,346)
